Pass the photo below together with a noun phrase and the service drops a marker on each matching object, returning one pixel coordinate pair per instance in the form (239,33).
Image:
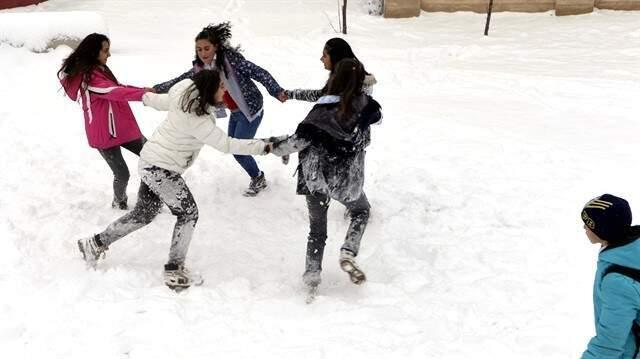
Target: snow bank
(39,31)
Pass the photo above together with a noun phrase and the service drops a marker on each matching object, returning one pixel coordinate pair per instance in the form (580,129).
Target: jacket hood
(369,80)
(71,85)
(627,255)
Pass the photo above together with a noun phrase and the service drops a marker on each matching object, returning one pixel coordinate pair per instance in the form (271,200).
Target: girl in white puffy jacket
(166,155)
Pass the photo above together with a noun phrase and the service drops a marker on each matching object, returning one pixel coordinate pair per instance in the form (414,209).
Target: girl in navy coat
(242,97)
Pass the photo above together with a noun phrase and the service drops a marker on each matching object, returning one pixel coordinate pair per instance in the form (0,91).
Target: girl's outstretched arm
(259,74)
(165,86)
(304,95)
(290,144)
(110,92)
(159,102)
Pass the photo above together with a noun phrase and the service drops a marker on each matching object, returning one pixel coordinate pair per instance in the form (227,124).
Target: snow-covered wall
(48,29)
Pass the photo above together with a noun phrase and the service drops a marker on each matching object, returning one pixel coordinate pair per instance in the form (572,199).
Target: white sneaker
(91,251)
(177,277)
(349,265)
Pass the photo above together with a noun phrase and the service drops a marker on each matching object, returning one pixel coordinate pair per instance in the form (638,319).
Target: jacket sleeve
(205,130)
(159,102)
(291,144)
(165,86)
(259,74)
(304,95)
(114,92)
(618,310)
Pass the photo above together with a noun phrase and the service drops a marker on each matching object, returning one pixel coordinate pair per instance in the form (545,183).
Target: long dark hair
(200,94)
(219,35)
(338,49)
(84,59)
(346,82)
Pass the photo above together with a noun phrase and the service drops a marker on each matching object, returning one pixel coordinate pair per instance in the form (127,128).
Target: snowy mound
(39,31)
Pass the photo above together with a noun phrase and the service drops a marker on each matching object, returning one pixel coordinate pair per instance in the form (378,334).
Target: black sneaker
(256,185)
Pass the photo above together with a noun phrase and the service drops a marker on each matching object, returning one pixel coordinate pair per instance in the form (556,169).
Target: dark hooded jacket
(332,151)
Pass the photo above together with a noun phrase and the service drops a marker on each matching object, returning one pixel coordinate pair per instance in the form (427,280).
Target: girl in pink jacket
(108,120)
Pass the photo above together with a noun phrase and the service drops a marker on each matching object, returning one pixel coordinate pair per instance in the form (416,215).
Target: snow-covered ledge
(39,31)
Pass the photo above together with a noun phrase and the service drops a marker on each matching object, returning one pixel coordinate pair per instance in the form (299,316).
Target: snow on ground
(488,150)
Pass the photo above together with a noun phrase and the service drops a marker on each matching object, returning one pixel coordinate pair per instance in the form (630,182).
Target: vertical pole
(344,17)
(486,27)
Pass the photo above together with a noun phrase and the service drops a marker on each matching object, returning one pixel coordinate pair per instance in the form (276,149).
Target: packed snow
(488,150)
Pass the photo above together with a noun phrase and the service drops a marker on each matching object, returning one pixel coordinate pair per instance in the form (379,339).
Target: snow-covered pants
(159,186)
(118,166)
(318,205)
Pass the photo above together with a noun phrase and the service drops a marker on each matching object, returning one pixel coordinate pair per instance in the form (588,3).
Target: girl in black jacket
(331,141)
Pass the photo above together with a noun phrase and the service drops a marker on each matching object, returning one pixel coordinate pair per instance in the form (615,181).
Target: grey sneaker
(91,250)
(311,279)
(348,264)
(256,185)
(177,277)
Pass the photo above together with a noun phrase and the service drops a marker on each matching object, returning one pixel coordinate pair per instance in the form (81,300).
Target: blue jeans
(240,127)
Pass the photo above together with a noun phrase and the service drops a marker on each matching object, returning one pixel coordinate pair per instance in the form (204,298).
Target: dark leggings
(118,166)
(159,186)
(318,205)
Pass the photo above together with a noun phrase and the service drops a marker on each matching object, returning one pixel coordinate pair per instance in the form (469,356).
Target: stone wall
(618,4)
(482,5)
(408,8)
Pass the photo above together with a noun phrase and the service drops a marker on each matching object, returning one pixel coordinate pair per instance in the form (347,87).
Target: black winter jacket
(332,152)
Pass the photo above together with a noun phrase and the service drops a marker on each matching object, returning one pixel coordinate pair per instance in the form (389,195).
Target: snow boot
(256,185)
(120,204)
(178,278)
(311,279)
(92,249)
(348,264)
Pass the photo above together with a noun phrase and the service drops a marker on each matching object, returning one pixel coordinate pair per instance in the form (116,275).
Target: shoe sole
(253,194)
(181,287)
(91,264)
(355,274)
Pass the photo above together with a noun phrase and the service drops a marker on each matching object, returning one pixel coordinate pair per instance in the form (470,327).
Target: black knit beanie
(609,217)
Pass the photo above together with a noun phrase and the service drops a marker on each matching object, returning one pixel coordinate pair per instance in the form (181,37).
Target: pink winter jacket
(108,119)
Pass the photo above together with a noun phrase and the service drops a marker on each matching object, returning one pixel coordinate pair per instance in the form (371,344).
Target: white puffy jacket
(177,141)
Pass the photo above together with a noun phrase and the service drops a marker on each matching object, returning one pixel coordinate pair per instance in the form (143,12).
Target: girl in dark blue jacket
(242,97)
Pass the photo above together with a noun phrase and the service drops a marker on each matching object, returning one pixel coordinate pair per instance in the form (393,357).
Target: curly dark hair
(200,94)
(219,35)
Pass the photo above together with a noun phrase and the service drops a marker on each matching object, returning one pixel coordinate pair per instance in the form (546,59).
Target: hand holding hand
(149,89)
(282,97)
(268,147)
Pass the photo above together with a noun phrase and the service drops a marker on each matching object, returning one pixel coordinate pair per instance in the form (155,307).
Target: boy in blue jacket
(616,288)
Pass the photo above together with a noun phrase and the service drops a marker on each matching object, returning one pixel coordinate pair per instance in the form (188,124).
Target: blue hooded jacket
(616,301)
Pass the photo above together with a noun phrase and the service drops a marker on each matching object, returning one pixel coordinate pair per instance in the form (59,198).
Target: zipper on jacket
(112,123)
